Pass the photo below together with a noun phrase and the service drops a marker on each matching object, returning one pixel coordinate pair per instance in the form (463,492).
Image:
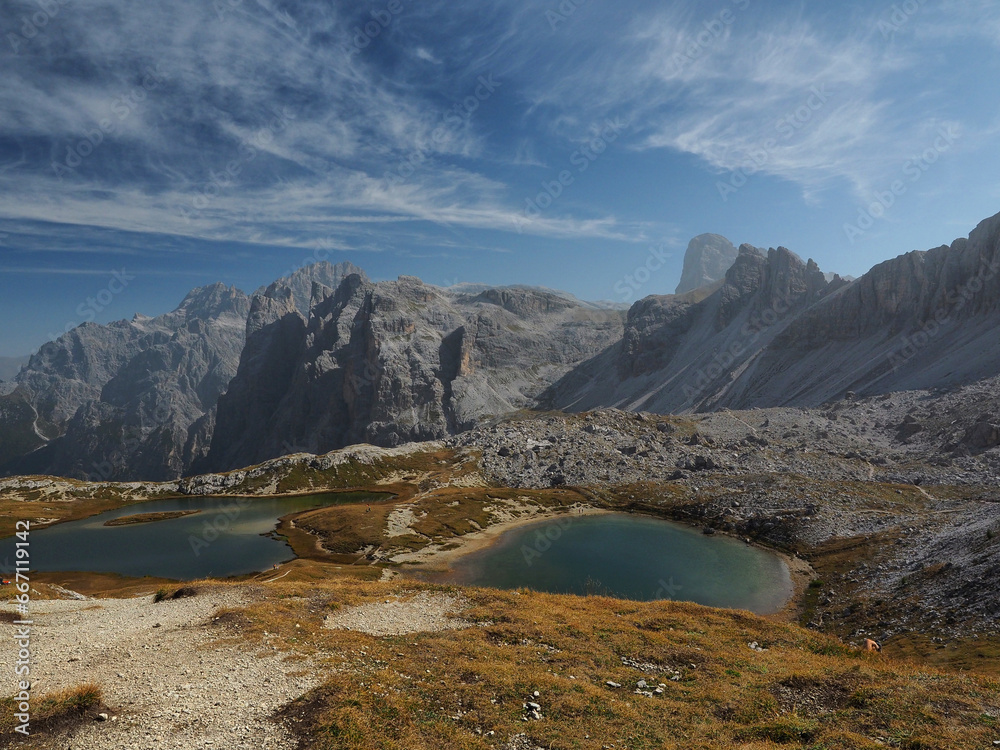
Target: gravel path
(166,688)
(423,613)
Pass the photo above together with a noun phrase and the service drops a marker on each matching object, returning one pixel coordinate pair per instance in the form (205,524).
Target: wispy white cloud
(230,143)
(422,53)
(177,161)
(785,102)
(951,20)
(810,101)
(48,271)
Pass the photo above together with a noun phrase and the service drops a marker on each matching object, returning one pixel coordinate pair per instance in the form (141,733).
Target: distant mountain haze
(301,281)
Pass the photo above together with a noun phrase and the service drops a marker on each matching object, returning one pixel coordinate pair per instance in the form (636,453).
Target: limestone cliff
(706,260)
(394,362)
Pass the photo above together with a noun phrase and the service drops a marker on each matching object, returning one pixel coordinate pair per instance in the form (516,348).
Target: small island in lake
(149,517)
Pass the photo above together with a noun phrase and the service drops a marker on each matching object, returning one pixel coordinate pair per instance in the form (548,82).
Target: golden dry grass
(452,688)
(13,510)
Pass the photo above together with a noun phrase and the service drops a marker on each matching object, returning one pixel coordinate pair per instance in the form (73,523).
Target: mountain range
(776,331)
(325,357)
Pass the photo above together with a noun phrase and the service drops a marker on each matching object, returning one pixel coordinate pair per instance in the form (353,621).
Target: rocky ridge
(300,282)
(687,352)
(397,361)
(778,332)
(318,360)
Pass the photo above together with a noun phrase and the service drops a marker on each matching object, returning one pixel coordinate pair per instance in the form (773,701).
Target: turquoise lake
(631,557)
(229,536)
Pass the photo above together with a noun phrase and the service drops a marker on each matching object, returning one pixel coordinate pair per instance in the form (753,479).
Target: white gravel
(425,612)
(399,520)
(165,685)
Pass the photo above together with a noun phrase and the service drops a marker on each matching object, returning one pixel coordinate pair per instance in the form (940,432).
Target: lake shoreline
(430,559)
(138,518)
(206,537)
(437,564)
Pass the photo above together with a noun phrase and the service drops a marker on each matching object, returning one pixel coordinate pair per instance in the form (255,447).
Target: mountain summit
(706,260)
(777,331)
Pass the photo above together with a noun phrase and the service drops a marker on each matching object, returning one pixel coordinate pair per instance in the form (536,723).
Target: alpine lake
(615,554)
(630,557)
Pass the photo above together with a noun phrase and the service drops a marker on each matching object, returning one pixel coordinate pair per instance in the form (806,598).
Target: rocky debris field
(915,437)
(907,481)
(260,480)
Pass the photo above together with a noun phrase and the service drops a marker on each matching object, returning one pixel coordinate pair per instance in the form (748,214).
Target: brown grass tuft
(55,712)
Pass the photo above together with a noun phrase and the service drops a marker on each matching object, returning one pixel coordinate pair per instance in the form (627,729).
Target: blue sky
(555,143)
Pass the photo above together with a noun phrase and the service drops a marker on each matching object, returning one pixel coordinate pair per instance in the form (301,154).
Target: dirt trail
(167,689)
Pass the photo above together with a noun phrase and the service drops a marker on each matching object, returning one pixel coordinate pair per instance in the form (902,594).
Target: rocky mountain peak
(326,358)
(706,260)
(301,281)
(213,301)
(398,361)
(319,293)
(776,281)
(787,277)
(277,301)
